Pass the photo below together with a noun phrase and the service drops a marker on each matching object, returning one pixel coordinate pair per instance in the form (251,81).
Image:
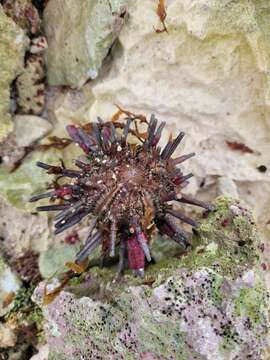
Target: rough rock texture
(210,304)
(184,318)
(28,179)
(95,26)
(28,130)
(13,43)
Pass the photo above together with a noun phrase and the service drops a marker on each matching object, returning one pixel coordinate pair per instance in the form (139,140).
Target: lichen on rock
(210,303)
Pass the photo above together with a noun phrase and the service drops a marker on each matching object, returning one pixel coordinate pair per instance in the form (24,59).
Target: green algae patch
(13,44)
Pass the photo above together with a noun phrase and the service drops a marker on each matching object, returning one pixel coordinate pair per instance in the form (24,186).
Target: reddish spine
(136,257)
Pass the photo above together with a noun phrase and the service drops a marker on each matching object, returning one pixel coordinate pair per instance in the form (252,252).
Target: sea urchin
(125,187)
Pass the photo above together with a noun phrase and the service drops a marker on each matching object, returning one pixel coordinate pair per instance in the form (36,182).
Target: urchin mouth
(133,175)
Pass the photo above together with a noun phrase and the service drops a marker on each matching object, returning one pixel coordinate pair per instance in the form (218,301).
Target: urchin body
(124,188)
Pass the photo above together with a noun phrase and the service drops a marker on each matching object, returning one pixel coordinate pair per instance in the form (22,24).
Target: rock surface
(7,336)
(13,43)
(95,26)
(29,231)
(42,354)
(9,285)
(30,128)
(210,304)
(54,259)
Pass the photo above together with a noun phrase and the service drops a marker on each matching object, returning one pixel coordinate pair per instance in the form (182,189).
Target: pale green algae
(214,293)
(13,44)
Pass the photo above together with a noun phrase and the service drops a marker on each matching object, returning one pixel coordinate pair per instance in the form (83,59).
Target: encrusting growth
(125,189)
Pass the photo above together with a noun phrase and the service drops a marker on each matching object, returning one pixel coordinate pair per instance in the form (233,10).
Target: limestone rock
(95,26)
(28,179)
(187,317)
(13,43)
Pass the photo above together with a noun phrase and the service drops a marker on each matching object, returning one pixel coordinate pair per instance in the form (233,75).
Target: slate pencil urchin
(125,188)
